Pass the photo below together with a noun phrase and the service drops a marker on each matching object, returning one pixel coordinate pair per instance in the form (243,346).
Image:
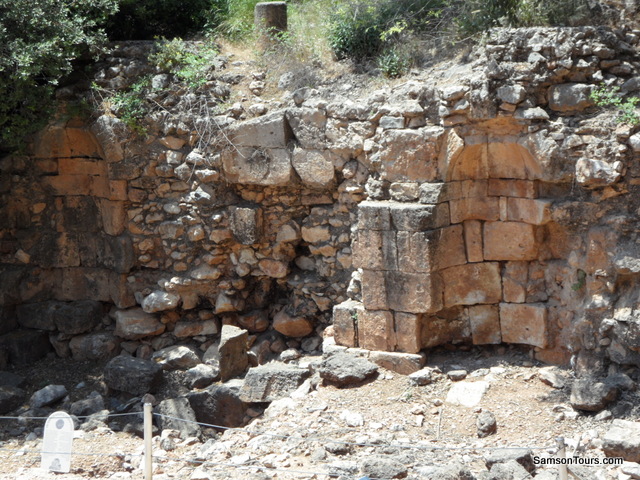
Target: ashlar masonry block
(416,217)
(407,331)
(440,330)
(509,241)
(425,252)
(514,281)
(485,324)
(374,216)
(374,290)
(450,250)
(473,240)
(471,284)
(500,187)
(527,210)
(486,208)
(413,292)
(375,330)
(375,250)
(524,323)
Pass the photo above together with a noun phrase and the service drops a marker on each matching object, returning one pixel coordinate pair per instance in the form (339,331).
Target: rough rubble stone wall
(487,202)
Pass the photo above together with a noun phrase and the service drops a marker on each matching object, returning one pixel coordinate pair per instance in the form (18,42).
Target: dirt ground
(293,438)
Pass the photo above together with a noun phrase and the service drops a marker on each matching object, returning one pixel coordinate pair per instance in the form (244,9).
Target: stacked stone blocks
(456,268)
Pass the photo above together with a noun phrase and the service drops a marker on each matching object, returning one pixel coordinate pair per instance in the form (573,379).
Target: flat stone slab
(467,394)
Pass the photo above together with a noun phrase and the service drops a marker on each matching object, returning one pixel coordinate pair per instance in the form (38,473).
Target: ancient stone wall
(486,202)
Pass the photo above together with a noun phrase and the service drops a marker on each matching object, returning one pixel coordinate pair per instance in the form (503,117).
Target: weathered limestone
(524,323)
(472,284)
(485,324)
(135,323)
(509,241)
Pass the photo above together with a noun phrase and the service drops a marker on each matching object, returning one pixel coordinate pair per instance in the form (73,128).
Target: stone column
(270,19)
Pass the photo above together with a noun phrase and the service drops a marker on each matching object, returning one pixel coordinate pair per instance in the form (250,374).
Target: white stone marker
(56,446)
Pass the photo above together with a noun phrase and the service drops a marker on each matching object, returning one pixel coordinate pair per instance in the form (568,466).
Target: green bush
(148,19)
(394,63)
(40,39)
(190,63)
(363,29)
(604,96)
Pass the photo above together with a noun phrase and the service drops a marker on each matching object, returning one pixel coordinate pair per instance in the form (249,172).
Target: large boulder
(94,346)
(592,396)
(177,414)
(219,405)
(48,396)
(344,369)
(132,375)
(272,381)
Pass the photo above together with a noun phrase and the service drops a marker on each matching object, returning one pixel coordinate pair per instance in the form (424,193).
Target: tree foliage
(39,40)
(148,19)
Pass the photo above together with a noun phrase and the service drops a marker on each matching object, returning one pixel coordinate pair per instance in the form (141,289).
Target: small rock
(290,354)
(603,416)
(160,301)
(510,470)
(383,468)
(523,456)
(11,379)
(422,377)
(94,403)
(453,471)
(338,448)
(457,375)
(631,468)
(551,377)
(486,423)
(352,419)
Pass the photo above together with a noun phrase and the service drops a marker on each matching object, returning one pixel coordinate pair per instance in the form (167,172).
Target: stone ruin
(489,201)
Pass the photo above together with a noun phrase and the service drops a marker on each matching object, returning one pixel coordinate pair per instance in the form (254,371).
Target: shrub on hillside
(362,29)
